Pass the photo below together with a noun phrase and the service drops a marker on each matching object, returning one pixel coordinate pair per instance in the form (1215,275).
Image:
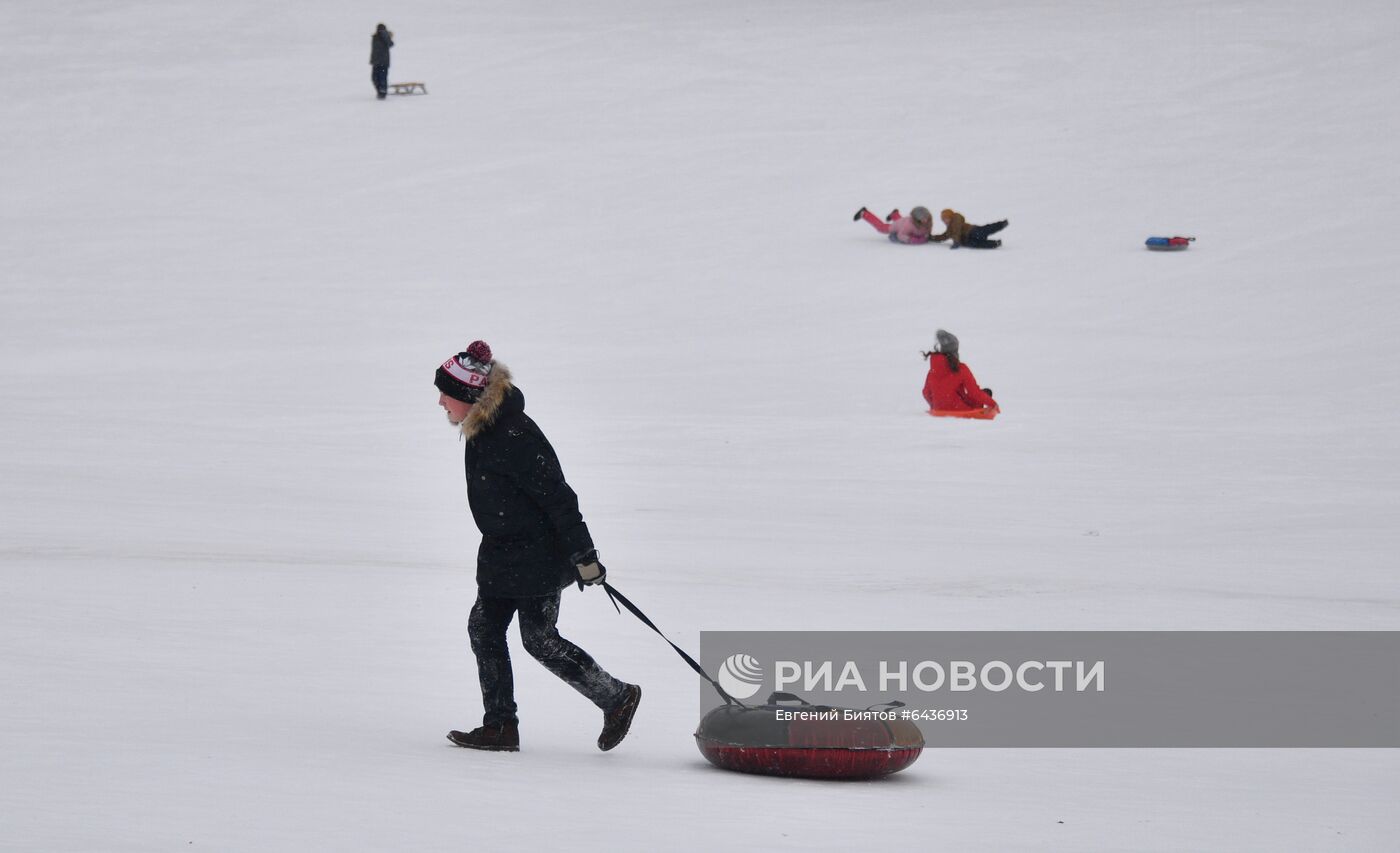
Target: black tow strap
(614,596)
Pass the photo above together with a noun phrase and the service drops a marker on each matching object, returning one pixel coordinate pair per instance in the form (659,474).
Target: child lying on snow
(914,229)
(957,229)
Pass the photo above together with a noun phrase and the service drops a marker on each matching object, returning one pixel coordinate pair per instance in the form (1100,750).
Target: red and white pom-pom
(480,351)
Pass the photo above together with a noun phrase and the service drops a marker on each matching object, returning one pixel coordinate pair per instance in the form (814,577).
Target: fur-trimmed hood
(491,403)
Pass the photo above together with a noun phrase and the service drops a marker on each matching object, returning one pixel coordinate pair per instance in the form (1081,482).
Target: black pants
(977,237)
(380,76)
(540,635)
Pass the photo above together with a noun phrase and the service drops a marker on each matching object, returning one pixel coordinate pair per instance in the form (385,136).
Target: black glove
(590,570)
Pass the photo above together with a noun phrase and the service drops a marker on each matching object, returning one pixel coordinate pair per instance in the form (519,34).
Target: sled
(408,89)
(1169,244)
(971,414)
(823,745)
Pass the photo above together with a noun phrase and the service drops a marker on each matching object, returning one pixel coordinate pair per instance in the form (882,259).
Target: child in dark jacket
(534,543)
(379,45)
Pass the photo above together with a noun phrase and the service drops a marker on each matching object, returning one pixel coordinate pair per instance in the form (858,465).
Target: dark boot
(856,218)
(617,721)
(892,214)
(503,738)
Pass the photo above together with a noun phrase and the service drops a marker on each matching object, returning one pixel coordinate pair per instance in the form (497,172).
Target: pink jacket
(906,230)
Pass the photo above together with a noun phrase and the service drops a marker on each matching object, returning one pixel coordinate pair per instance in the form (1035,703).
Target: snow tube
(1169,244)
(819,743)
(974,414)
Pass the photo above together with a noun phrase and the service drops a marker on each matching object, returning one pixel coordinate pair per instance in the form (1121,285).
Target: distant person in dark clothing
(963,233)
(379,45)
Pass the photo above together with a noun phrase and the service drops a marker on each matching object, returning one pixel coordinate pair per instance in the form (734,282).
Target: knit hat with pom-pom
(465,375)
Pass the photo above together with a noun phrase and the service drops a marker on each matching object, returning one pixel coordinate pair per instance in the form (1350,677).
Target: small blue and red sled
(1169,244)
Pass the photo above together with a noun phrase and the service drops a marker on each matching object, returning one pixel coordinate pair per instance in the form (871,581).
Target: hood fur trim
(488,407)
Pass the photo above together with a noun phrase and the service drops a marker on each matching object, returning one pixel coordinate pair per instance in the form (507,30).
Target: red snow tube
(820,743)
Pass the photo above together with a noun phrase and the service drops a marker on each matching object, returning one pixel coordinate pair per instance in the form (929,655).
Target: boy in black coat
(534,543)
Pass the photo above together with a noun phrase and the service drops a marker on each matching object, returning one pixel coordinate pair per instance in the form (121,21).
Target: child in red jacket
(950,389)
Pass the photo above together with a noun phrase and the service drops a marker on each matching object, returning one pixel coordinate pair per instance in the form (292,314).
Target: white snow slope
(236,558)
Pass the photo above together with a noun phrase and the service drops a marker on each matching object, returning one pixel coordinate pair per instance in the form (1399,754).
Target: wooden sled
(408,89)
(971,414)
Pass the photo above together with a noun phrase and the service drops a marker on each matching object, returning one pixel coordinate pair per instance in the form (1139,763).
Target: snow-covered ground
(235,558)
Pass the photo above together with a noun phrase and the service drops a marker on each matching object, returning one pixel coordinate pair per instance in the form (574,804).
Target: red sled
(971,414)
(1169,244)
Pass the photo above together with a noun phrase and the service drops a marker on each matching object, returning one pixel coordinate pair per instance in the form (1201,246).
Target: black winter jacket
(529,519)
(379,45)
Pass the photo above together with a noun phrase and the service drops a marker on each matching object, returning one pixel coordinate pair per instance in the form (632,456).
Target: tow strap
(615,597)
